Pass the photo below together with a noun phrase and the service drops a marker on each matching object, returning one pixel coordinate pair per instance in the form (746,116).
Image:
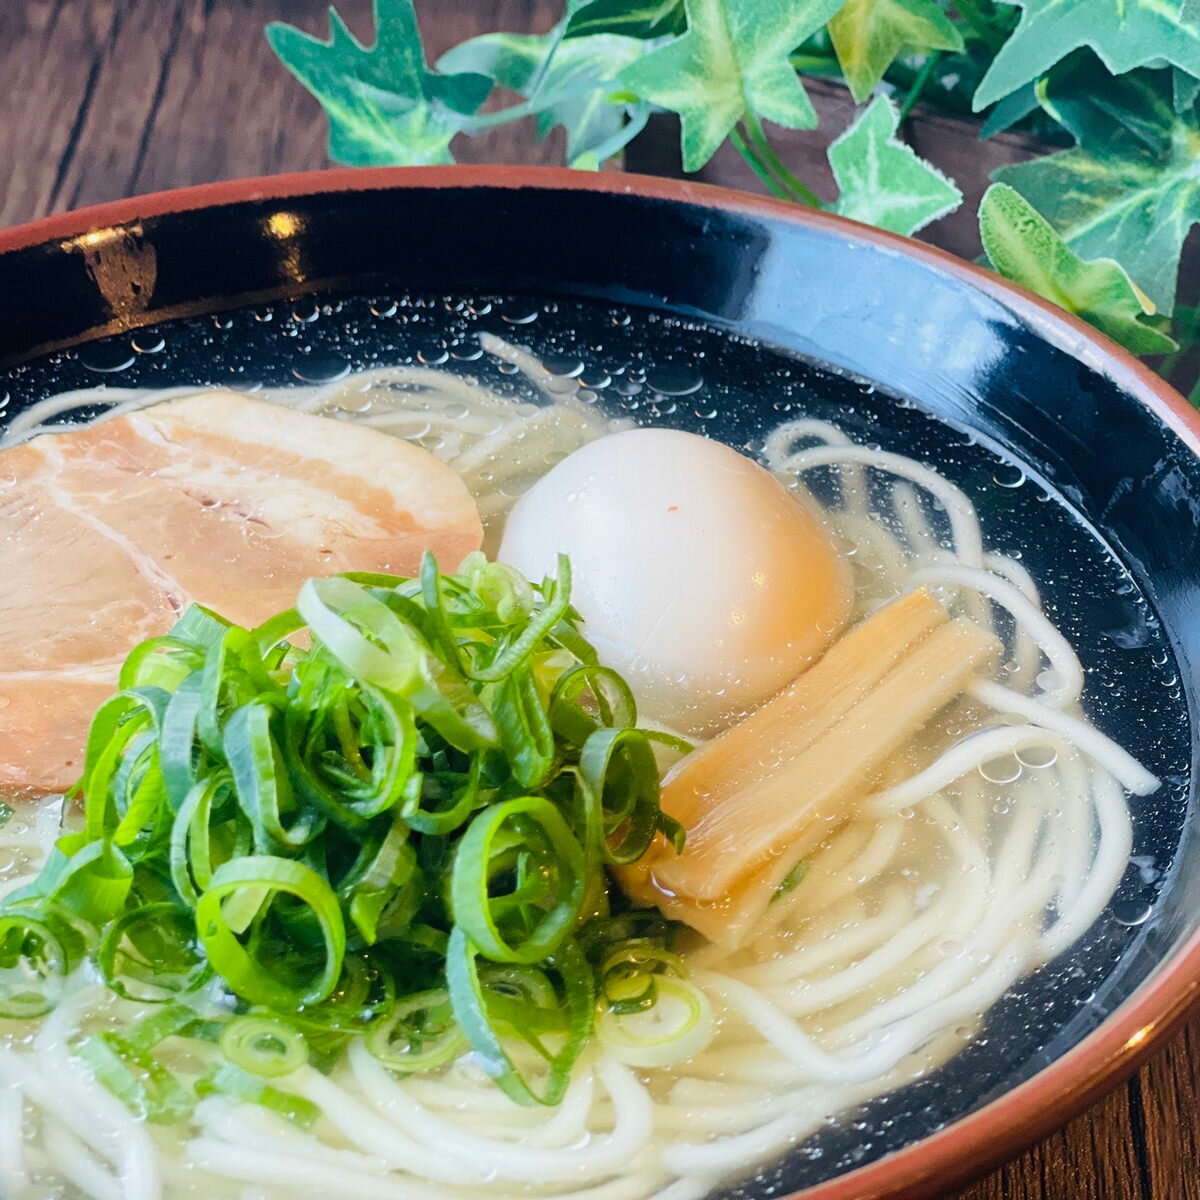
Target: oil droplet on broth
(148,341)
(1008,475)
(565,366)
(520,316)
(1037,756)
(106,358)
(1131,912)
(674,380)
(305,312)
(321,368)
(1005,768)
(1049,681)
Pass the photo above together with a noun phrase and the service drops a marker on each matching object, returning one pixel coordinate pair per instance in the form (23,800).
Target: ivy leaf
(632,18)
(883,182)
(731,62)
(384,105)
(1022,246)
(1016,106)
(1125,34)
(868,35)
(569,83)
(1184,89)
(1130,189)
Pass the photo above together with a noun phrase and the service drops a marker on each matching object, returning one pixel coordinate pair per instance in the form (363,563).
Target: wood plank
(189,91)
(1168,1096)
(1093,1158)
(50,56)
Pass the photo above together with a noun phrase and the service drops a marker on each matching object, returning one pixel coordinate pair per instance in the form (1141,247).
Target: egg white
(700,577)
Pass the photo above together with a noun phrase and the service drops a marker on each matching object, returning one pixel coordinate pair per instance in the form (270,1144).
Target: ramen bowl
(702,309)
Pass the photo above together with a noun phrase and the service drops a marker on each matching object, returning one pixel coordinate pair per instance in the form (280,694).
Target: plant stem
(484,121)
(758,138)
(543,68)
(1169,363)
(924,75)
(816,64)
(1194,394)
(768,180)
(1187,315)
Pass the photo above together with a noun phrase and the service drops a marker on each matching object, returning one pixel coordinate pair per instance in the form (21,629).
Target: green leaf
(1022,246)
(633,18)
(732,61)
(1124,33)
(869,34)
(569,83)
(1185,89)
(882,180)
(1013,108)
(1130,190)
(384,105)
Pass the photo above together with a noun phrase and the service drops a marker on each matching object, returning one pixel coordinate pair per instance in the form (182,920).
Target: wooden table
(107,98)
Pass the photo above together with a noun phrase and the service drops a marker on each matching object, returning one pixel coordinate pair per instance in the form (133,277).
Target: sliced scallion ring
(264,1046)
(676,1028)
(511,927)
(252,978)
(419,1034)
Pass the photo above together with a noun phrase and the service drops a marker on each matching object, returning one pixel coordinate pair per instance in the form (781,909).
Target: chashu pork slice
(109,532)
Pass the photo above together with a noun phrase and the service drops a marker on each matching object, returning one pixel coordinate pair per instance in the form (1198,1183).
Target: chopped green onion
(418,1035)
(525,731)
(147,1088)
(264,1046)
(230,1080)
(385,813)
(526,923)
(249,976)
(675,1028)
(154,945)
(619,789)
(791,880)
(469,999)
(37,952)
(558,594)
(588,697)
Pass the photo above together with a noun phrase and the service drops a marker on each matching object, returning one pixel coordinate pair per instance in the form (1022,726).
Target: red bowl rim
(1007,1125)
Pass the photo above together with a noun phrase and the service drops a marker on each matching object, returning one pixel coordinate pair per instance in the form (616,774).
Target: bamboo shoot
(767,792)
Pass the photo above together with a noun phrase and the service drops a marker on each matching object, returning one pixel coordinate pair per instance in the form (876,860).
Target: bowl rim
(1007,1125)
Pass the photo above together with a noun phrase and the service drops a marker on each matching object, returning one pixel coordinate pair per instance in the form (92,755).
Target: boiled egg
(700,577)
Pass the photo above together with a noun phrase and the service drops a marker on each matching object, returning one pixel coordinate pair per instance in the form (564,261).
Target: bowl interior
(729,325)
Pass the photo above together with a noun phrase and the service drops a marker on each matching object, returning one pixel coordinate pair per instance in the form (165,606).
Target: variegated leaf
(1022,246)
(883,182)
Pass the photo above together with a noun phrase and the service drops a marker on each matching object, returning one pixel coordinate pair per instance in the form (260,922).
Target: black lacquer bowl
(708,310)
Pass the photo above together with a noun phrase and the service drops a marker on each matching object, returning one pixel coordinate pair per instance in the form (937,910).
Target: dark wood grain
(106,98)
